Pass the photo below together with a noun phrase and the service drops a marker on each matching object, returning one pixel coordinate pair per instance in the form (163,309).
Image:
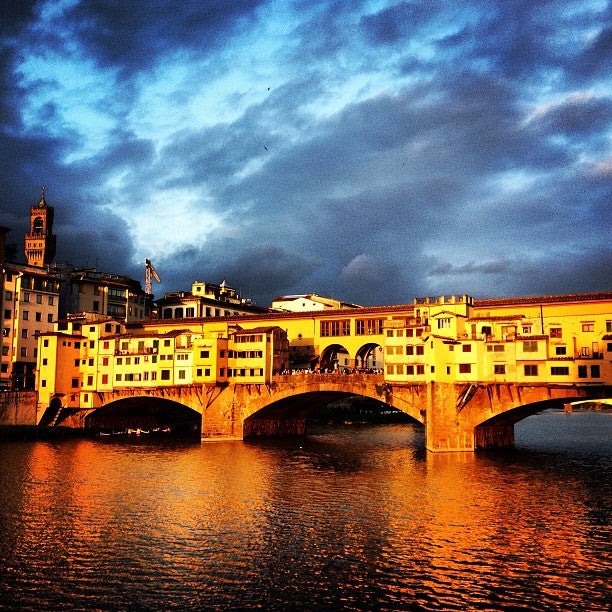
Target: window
(444,323)
(38,316)
(499,368)
(89,381)
(26,315)
(465,368)
(166,342)
(420,369)
(335,328)
(26,297)
(608,327)
(526,329)
(559,371)
(95,306)
(38,298)
(181,374)
(595,373)
(556,332)
(51,300)
(369,327)
(45,343)
(104,379)
(420,349)
(204,354)
(75,383)
(467,348)
(165,374)
(560,350)
(24,333)
(8,295)
(410,370)
(530,346)
(8,314)
(530,370)
(409,349)
(496,348)
(50,318)
(24,351)
(588,326)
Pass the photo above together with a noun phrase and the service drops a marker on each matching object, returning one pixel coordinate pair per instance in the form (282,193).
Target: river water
(348,518)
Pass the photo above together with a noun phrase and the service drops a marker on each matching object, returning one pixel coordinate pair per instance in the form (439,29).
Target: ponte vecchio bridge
(466,370)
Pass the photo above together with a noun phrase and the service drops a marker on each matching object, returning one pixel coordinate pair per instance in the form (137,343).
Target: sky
(370,151)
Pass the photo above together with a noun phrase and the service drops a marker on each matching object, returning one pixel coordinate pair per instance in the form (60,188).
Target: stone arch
(369,356)
(288,415)
(498,430)
(145,413)
(334,357)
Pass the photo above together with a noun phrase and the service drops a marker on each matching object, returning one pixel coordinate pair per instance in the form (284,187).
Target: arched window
(38,225)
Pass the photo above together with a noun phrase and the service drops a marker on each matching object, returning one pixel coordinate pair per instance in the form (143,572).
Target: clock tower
(40,240)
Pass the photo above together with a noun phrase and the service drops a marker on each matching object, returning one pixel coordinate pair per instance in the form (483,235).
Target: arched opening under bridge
(144,414)
(483,432)
(296,414)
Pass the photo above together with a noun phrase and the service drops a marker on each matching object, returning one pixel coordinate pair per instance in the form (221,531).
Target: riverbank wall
(18,408)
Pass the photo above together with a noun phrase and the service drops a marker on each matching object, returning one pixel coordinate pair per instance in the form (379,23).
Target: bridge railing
(336,372)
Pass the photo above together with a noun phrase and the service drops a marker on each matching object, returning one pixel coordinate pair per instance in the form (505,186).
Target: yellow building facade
(451,339)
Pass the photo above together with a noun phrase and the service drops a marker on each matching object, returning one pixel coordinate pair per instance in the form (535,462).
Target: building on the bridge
(554,340)
(206,300)
(107,294)
(29,300)
(560,339)
(87,354)
(308,302)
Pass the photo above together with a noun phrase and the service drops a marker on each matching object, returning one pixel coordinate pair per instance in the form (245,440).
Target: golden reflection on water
(363,511)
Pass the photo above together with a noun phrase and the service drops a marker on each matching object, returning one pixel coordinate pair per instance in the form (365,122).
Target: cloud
(373,153)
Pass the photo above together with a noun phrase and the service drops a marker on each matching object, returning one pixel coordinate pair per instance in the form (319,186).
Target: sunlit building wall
(563,339)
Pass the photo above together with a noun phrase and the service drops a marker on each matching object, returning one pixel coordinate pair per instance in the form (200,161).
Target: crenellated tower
(40,240)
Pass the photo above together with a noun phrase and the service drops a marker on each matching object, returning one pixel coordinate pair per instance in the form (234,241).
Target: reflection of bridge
(457,417)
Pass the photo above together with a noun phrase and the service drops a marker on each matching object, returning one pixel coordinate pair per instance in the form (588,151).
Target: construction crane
(150,273)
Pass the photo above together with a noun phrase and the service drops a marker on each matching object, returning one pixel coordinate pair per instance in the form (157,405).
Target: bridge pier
(493,436)
(444,430)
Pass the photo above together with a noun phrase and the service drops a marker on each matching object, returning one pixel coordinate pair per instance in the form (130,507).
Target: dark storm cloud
(118,34)
(373,155)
